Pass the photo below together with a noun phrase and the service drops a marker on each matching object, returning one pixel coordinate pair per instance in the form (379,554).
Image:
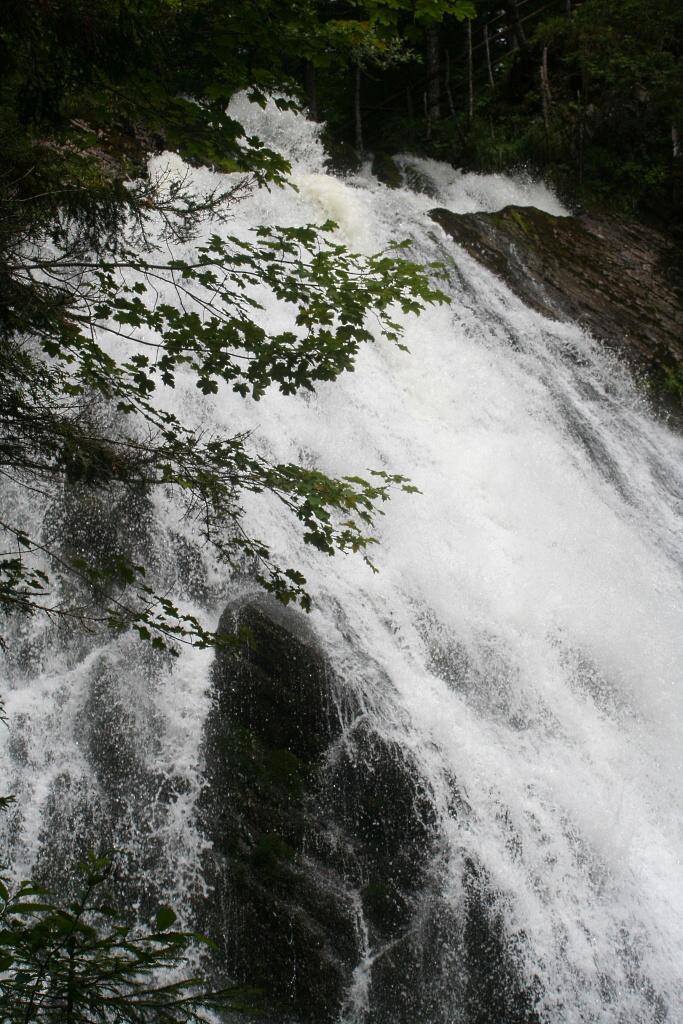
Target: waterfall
(520,644)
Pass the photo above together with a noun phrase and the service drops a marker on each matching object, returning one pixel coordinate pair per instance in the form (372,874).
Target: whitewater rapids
(528,610)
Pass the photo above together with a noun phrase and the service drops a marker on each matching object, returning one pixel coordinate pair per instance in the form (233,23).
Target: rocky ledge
(620,279)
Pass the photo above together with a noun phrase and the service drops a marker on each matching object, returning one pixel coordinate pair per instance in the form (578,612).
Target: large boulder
(318,823)
(328,872)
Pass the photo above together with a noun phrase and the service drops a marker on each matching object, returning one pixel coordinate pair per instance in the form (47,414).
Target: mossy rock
(419,182)
(385,170)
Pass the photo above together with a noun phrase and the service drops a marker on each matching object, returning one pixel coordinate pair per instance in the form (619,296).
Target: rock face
(620,279)
(326,869)
(320,826)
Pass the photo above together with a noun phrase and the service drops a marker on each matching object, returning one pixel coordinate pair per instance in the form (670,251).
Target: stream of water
(528,614)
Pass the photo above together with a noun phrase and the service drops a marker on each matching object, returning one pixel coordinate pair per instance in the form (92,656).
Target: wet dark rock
(327,869)
(417,181)
(100,522)
(493,992)
(379,802)
(385,170)
(316,820)
(101,808)
(108,735)
(284,923)
(620,279)
(341,158)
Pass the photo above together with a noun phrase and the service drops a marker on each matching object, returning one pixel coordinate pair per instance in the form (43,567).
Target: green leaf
(165,919)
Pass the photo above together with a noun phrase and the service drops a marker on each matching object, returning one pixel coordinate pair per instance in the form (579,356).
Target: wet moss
(418,182)
(270,856)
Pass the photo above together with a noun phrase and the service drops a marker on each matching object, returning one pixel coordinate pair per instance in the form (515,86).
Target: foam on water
(528,611)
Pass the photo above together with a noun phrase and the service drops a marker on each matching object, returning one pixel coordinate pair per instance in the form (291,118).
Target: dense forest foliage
(590,94)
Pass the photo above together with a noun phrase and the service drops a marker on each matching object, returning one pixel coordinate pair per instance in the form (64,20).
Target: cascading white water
(527,613)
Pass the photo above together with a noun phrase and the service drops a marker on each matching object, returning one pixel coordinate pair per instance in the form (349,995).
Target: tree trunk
(581,132)
(311,87)
(449,94)
(433,73)
(470,83)
(545,90)
(515,24)
(357,114)
(451,104)
(677,168)
(488,55)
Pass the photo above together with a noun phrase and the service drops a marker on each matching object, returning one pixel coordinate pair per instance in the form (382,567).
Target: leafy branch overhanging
(58,361)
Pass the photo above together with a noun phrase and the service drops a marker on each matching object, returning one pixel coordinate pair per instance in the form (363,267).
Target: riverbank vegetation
(588,94)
